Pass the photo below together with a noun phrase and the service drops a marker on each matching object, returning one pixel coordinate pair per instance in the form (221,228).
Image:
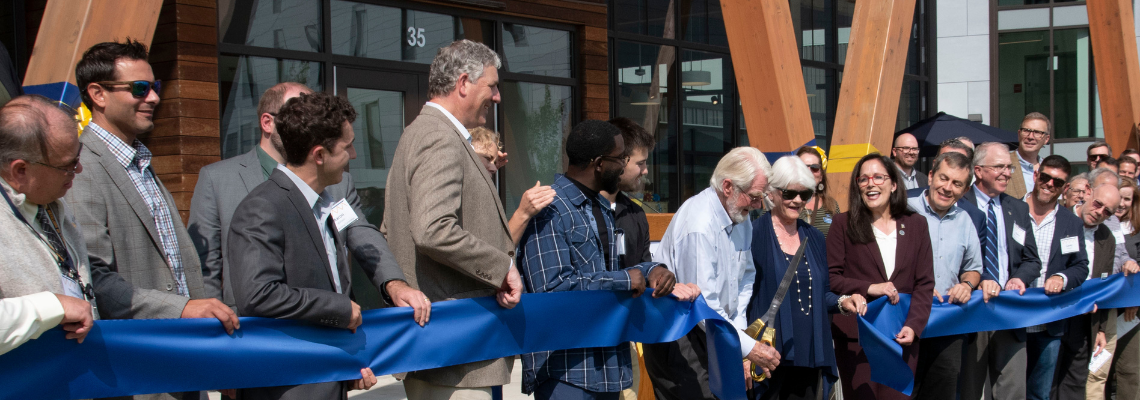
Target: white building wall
(963,59)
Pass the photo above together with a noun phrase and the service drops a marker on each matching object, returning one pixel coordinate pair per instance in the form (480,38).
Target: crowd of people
(272,233)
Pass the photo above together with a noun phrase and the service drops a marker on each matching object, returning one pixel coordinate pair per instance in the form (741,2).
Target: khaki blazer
(446,226)
(1016,187)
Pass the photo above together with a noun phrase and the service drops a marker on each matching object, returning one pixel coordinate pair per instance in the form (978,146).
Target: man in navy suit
(1058,233)
(1009,259)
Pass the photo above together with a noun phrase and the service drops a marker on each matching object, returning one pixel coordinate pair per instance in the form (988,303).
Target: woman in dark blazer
(803,328)
(861,261)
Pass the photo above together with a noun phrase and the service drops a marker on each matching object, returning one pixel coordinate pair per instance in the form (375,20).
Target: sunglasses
(792,194)
(139,89)
(1046,178)
(1097,157)
(815,167)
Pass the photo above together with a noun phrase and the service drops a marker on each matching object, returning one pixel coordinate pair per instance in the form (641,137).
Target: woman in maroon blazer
(878,248)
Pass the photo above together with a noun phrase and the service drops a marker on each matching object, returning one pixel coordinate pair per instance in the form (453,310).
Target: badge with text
(342,215)
(1116,233)
(1069,245)
(619,237)
(1019,235)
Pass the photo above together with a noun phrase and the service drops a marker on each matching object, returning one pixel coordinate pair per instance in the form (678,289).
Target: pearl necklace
(799,295)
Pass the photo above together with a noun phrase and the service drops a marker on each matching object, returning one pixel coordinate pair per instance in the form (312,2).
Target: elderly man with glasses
(1034,133)
(905,155)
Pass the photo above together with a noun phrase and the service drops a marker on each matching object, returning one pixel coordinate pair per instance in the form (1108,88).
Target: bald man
(905,154)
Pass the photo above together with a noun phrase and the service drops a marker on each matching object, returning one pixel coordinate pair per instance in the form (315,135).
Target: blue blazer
(769,272)
(1024,263)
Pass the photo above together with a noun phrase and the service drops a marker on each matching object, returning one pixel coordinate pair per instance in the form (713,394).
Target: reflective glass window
(704,23)
(706,128)
(817,82)
(537,51)
(387,33)
(241,81)
(278,24)
(643,74)
(1074,88)
(911,99)
(1023,76)
(645,17)
(536,122)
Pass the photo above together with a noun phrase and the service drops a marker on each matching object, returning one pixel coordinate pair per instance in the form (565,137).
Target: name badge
(1118,235)
(619,236)
(1069,245)
(1018,235)
(342,215)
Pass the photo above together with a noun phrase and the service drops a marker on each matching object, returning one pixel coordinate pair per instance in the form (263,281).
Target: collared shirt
(135,159)
(462,129)
(1043,233)
(321,208)
(954,242)
(704,247)
(560,251)
(268,164)
(1027,173)
(1002,252)
(1090,244)
(909,180)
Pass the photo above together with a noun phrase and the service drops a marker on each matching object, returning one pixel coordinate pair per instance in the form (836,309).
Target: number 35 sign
(416,37)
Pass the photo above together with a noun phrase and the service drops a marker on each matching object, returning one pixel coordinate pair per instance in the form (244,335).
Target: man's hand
(511,291)
(77,318)
(884,289)
(960,293)
(662,281)
(1054,284)
(990,289)
(1015,284)
(1130,267)
(1100,343)
(212,308)
(535,199)
(357,320)
(404,296)
(905,336)
(367,380)
(1130,314)
(856,304)
(765,357)
(686,291)
(636,281)
(747,374)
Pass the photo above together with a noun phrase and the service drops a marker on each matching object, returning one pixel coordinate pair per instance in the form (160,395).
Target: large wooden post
(872,80)
(1117,70)
(69,27)
(768,74)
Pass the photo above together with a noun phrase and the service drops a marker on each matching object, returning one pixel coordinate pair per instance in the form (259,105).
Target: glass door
(385,103)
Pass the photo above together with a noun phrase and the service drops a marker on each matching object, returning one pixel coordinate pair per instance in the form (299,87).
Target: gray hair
(25,127)
(741,165)
(790,170)
(1096,174)
(458,58)
(953,160)
(1078,177)
(984,149)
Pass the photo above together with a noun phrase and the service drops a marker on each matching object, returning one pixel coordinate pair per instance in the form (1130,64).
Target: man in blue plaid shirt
(571,245)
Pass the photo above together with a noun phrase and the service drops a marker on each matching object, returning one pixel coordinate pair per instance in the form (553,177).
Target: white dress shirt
(887,245)
(704,247)
(1027,172)
(1002,250)
(462,129)
(321,213)
(27,317)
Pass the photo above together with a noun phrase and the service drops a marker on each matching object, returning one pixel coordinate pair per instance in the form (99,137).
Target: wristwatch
(972,287)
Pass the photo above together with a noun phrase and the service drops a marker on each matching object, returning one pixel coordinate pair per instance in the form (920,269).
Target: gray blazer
(132,278)
(448,230)
(222,185)
(281,270)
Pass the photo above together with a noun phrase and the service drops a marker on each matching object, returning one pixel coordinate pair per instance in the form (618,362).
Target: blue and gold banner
(124,357)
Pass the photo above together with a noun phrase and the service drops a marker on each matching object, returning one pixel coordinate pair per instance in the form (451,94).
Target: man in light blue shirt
(957,269)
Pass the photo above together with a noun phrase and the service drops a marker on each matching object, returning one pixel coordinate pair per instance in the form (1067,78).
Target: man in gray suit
(143,264)
(442,213)
(43,263)
(222,185)
(286,242)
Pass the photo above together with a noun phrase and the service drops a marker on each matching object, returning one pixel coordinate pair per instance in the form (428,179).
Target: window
(241,81)
(279,24)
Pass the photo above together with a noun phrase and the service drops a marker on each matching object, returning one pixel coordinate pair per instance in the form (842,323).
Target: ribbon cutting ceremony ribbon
(883,320)
(125,357)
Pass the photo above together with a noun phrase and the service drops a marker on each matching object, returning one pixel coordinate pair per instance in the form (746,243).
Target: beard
(275,140)
(736,212)
(637,185)
(610,179)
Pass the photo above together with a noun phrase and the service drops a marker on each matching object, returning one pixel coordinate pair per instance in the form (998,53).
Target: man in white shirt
(708,243)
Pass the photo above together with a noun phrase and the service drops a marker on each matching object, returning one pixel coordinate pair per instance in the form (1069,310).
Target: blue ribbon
(63,92)
(125,357)
(878,327)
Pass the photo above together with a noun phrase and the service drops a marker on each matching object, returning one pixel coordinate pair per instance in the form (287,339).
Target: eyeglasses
(619,160)
(815,167)
(751,197)
(139,89)
(1034,132)
(70,168)
(1044,178)
(907,149)
(876,179)
(792,194)
(1000,168)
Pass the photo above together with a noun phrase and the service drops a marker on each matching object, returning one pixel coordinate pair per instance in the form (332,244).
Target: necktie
(53,238)
(989,244)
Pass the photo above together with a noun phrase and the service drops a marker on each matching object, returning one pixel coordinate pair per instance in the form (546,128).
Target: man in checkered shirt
(571,245)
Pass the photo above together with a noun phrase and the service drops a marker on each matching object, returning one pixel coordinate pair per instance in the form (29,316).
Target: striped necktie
(989,244)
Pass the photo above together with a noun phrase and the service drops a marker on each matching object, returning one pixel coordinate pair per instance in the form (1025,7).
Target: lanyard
(67,269)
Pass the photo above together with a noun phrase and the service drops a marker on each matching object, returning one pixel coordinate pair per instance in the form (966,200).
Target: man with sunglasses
(1034,133)
(143,263)
(1058,232)
(43,264)
(1097,152)
(957,269)
(905,155)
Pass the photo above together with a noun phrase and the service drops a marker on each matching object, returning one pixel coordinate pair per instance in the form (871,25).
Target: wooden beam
(768,74)
(70,27)
(872,80)
(1114,49)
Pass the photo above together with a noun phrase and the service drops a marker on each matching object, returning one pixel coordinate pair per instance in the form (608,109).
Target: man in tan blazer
(442,216)
(1034,133)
